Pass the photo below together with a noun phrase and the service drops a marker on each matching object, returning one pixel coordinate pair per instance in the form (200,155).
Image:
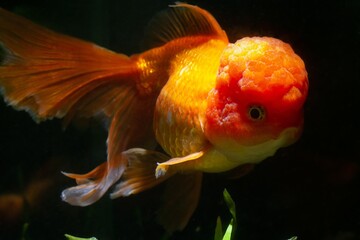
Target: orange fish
(210,104)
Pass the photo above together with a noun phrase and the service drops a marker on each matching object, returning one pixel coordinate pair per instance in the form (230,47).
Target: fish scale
(184,98)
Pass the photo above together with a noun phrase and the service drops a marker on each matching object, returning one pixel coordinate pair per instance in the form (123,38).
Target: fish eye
(256,112)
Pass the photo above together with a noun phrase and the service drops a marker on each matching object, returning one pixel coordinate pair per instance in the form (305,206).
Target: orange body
(211,105)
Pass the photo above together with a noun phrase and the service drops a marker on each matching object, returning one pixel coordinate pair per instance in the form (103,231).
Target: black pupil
(255,113)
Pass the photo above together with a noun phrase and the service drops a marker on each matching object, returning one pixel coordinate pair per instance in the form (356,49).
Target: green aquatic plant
(231,228)
(24,230)
(69,237)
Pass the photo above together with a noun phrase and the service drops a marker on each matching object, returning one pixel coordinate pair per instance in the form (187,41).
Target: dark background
(309,190)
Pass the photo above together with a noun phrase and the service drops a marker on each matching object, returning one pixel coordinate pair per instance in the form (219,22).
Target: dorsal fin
(182,20)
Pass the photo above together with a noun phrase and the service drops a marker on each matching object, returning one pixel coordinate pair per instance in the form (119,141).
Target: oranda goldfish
(210,104)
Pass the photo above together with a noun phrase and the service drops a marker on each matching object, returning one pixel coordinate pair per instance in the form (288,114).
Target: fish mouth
(257,152)
(233,154)
(289,136)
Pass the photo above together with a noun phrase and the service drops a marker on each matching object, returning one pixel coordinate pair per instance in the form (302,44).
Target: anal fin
(125,130)
(140,173)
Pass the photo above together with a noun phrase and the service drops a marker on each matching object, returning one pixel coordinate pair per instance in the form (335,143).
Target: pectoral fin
(240,171)
(181,163)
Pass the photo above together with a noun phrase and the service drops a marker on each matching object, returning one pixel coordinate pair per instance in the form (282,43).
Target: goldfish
(211,105)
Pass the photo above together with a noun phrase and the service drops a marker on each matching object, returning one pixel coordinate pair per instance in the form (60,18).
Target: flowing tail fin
(51,75)
(48,74)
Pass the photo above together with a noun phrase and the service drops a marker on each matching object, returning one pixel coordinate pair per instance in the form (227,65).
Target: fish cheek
(225,119)
(244,125)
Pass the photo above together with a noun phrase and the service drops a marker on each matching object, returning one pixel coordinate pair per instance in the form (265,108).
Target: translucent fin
(49,74)
(180,201)
(239,171)
(127,128)
(140,173)
(182,20)
(178,162)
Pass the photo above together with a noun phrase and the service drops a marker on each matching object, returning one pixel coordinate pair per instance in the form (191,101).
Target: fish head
(256,106)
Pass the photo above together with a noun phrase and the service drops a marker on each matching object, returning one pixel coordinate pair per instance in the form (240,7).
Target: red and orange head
(260,91)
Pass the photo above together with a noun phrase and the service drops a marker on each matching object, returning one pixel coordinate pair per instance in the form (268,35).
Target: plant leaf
(69,237)
(230,203)
(218,230)
(229,231)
